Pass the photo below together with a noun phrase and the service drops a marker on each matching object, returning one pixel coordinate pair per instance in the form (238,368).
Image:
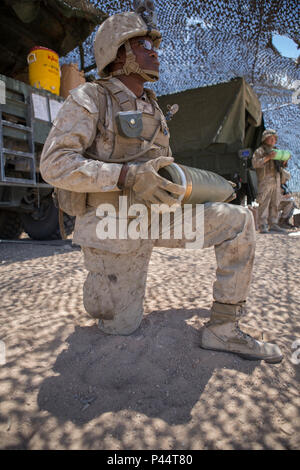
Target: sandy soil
(66,385)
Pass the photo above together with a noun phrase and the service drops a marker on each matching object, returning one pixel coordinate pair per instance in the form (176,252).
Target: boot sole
(277,231)
(269,360)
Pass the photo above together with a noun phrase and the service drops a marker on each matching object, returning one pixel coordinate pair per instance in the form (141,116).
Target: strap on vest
(61,224)
(122,99)
(130,157)
(132,66)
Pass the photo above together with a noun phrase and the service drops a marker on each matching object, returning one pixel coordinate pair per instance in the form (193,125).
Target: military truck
(218,128)
(26,113)
(25,199)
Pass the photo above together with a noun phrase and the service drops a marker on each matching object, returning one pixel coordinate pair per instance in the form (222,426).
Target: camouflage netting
(209,41)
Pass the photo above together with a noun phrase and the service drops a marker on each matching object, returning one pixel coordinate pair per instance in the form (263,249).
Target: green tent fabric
(213,115)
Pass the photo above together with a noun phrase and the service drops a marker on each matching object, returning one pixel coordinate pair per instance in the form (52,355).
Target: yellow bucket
(44,71)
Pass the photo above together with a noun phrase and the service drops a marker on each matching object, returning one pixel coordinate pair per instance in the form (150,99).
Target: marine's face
(146,55)
(271,140)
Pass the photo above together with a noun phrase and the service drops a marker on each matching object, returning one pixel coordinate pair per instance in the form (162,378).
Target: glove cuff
(123,176)
(130,176)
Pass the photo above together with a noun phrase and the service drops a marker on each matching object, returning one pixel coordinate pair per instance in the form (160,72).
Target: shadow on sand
(159,371)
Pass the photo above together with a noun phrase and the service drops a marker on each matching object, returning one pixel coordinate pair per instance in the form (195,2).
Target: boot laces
(241,334)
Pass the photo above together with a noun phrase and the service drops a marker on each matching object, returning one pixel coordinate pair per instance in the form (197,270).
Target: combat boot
(222,333)
(277,229)
(284,223)
(264,229)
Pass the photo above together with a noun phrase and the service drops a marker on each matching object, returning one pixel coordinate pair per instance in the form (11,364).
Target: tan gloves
(149,186)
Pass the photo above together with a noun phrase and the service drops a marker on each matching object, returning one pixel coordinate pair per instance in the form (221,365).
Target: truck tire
(10,225)
(69,223)
(241,196)
(46,225)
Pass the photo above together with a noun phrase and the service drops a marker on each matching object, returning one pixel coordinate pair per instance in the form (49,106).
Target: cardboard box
(71,78)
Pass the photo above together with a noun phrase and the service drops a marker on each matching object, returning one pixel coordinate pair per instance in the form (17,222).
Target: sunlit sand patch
(66,385)
(294,234)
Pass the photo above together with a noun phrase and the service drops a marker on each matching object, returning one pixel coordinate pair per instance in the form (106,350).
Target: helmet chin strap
(131,66)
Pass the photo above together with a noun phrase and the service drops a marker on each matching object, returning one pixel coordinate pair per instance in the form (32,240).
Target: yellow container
(44,71)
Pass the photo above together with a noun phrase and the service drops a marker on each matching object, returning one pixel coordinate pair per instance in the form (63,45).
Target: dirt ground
(66,385)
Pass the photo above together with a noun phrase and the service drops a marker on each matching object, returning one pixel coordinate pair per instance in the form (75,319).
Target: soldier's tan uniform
(84,154)
(287,203)
(286,208)
(268,187)
(108,290)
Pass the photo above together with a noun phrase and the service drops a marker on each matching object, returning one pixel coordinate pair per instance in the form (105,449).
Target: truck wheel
(43,224)
(10,225)
(240,197)
(69,223)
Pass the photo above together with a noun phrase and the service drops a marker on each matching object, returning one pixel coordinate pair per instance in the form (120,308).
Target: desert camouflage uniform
(286,208)
(115,285)
(269,194)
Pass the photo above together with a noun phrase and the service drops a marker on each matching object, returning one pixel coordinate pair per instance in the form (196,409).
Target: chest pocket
(130,123)
(137,134)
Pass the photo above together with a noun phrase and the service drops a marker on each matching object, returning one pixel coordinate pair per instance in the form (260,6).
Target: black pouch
(278,165)
(130,123)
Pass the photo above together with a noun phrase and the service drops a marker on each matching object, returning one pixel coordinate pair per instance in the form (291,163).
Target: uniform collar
(123,87)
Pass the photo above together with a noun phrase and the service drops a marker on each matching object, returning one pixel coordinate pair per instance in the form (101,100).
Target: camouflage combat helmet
(267,133)
(117,30)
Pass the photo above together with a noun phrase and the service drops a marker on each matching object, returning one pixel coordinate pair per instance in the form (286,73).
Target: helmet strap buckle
(131,66)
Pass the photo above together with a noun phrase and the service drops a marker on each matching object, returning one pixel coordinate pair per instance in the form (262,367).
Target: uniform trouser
(115,286)
(286,208)
(268,199)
